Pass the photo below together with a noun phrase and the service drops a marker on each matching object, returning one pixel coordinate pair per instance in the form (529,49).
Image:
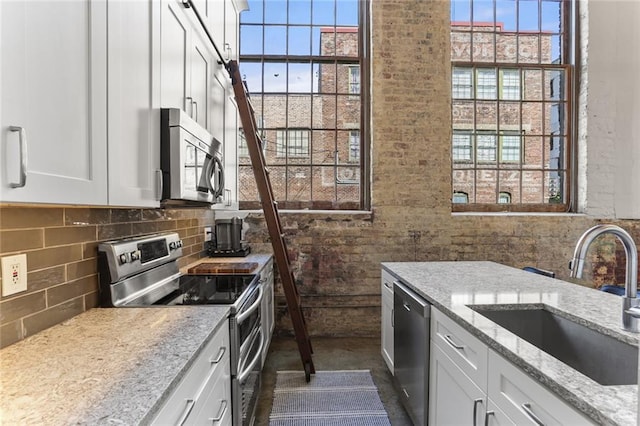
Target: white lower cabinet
(471,384)
(386,329)
(203,396)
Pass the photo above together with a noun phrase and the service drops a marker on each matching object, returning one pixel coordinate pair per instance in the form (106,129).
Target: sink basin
(604,359)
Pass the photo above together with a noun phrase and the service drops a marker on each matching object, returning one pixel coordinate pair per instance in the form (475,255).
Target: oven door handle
(242,376)
(240,318)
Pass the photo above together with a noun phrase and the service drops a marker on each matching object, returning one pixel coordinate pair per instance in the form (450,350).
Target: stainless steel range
(143,272)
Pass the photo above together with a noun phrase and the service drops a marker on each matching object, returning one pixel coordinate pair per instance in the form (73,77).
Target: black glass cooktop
(209,290)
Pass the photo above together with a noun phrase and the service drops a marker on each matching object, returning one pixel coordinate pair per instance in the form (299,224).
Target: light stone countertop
(451,286)
(105,366)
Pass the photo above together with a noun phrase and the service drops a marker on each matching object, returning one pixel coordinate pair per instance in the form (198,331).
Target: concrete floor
(331,354)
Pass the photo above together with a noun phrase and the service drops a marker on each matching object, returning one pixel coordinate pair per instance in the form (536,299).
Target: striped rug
(331,398)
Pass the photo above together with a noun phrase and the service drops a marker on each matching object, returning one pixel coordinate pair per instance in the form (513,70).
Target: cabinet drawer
(525,401)
(214,406)
(469,353)
(211,362)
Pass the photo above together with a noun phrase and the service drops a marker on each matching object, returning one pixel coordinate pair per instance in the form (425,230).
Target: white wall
(609,147)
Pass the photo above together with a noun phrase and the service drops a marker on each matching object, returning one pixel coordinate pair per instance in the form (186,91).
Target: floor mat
(331,398)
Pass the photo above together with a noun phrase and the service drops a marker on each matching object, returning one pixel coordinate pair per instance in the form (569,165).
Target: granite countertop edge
(452,286)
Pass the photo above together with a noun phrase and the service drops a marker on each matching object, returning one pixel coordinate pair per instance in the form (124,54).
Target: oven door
(245,387)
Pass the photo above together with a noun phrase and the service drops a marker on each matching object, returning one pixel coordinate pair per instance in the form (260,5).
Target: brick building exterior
(321,167)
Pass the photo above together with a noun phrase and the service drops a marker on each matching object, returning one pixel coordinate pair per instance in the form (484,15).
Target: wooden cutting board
(223,268)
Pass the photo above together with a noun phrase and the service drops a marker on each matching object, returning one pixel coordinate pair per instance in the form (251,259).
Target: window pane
(462,83)
(347,11)
(462,148)
(510,84)
(275,11)
(510,148)
(250,40)
(299,12)
(299,40)
(275,40)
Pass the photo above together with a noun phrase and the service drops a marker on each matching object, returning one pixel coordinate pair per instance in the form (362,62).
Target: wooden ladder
(270,208)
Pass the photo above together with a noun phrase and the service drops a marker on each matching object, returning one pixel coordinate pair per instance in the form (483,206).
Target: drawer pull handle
(527,409)
(386,284)
(450,341)
(187,411)
(476,402)
(486,417)
(407,307)
(220,355)
(221,412)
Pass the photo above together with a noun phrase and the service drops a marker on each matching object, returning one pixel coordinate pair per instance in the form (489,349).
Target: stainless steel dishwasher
(411,351)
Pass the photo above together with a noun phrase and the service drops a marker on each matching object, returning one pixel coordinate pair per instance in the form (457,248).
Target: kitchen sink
(603,358)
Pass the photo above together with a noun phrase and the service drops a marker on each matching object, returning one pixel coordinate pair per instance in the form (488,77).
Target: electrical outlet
(207,233)
(14,274)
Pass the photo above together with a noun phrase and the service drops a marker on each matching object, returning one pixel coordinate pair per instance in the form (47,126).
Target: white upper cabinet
(134,103)
(188,64)
(53,112)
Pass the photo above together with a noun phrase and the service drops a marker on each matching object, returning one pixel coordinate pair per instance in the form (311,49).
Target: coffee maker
(227,241)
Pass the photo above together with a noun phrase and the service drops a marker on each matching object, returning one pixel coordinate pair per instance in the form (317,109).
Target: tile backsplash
(61,247)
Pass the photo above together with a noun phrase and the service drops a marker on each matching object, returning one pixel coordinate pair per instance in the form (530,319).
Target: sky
(308,16)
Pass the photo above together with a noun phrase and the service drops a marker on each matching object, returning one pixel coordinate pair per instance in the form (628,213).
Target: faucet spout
(631,312)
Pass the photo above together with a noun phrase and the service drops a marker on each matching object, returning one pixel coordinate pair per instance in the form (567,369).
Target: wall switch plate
(207,233)
(14,274)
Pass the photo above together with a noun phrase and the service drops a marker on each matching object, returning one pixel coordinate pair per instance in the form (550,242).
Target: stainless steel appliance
(143,271)
(227,239)
(191,161)
(411,351)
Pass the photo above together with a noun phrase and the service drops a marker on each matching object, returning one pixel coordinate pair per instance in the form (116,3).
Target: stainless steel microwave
(191,161)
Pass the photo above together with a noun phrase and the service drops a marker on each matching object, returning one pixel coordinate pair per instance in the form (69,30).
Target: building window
(486,86)
(504,198)
(292,143)
(307,74)
(510,148)
(354,80)
(510,85)
(486,148)
(462,83)
(511,89)
(460,197)
(462,147)
(354,146)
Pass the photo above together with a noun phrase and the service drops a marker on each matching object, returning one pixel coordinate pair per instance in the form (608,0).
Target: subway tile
(90,250)
(142,228)
(52,316)
(30,217)
(156,214)
(126,215)
(114,231)
(69,235)
(10,333)
(45,278)
(71,290)
(183,223)
(17,307)
(86,216)
(46,258)
(91,300)
(25,239)
(82,269)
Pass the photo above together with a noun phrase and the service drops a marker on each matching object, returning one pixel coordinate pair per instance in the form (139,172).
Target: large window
(304,65)
(511,95)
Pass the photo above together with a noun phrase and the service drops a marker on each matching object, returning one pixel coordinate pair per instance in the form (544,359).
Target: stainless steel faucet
(630,304)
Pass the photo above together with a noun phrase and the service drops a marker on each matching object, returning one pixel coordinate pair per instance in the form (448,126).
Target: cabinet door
(454,399)
(175,56)
(202,90)
(387,319)
(231,29)
(53,67)
(526,401)
(134,103)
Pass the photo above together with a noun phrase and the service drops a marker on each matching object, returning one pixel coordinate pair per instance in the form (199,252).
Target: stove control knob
(179,243)
(135,255)
(124,258)
(173,245)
